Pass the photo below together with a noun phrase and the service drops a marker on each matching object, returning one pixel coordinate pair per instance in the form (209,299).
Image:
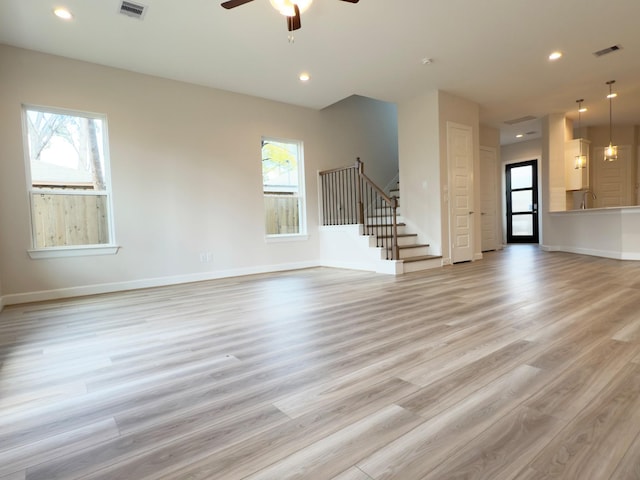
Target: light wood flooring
(525,365)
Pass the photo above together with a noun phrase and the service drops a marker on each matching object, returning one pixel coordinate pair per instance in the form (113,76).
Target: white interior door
(460,161)
(489,198)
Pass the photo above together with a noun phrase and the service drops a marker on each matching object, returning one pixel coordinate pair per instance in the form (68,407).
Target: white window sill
(286,238)
(73,251)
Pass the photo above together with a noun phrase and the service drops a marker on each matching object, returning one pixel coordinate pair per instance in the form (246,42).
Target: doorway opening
(522,202)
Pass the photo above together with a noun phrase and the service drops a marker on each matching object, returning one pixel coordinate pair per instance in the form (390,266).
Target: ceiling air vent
(607,50)
(520,120)
(134,10)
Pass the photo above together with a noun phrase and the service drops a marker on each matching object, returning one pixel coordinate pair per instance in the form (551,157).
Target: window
(68,175)
(283,187)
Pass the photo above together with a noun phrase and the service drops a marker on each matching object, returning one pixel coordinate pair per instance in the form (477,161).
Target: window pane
(279,166)
(68,169)
(522,177)
(281,179)
(282,214)
(522,225)
(69,219)
(65,151)
(522,201)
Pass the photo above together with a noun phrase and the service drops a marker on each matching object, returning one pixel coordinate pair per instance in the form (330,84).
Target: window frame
(36,252)
(302,198)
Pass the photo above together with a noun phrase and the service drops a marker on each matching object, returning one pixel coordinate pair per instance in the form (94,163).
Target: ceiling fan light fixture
(63,13)
(286,7)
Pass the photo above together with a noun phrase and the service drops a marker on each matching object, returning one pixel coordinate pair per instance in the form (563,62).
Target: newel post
(394,234)
(360,169)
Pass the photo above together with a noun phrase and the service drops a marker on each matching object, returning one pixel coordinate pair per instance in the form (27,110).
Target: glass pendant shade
(581,161)
(611,153)
(285,7)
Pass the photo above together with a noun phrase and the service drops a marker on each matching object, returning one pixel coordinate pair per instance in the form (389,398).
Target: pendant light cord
(610,82)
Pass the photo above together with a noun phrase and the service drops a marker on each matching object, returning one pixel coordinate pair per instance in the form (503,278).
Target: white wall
(351,123)
(186,174)
(521,151)
(419,152)
(422,134)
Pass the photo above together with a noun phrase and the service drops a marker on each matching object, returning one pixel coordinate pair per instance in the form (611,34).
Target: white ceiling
(493,52)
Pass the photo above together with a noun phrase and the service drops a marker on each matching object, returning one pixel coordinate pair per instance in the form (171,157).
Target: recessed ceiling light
(304,77)
(612,95)
(520,135)
(583,109)
(555,55)
(63,13)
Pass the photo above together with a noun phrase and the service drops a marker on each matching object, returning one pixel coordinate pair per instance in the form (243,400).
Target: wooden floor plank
(327,373)
(331,455)
(596,440)
(426,446)
(502,450)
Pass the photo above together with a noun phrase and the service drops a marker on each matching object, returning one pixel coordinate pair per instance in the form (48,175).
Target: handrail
(347,193)
(340,169)
(380,192)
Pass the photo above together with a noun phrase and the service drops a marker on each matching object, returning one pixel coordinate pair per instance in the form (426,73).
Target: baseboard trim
(616,255)
(387,267)
(60,293)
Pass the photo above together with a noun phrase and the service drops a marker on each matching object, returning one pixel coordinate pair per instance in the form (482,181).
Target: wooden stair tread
(400,224)
(417,245)
(404,235)
(420,258)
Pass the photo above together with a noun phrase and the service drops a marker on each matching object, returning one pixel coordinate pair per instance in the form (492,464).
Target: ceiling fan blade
(294,23)
(234,3)
(350,1)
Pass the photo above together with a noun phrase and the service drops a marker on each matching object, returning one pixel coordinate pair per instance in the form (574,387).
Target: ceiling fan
(289,8)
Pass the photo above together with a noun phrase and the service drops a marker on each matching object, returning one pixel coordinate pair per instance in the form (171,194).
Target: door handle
(470,213)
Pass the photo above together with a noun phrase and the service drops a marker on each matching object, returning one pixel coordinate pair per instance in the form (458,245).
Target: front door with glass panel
(522,202)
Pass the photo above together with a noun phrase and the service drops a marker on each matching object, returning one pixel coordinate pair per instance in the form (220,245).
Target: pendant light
(581,158)
(611,152)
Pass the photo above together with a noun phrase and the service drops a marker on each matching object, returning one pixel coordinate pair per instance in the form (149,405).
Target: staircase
(413,255)
(363,227)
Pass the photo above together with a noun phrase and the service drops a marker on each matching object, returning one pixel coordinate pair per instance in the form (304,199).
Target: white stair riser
(413,252)
(372,230)
(402,241)
(421,265)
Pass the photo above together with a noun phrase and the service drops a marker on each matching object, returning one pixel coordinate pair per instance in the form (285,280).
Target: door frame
(535,238)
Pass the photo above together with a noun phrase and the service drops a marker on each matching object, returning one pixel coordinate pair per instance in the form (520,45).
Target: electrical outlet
(203,257)
(209,257)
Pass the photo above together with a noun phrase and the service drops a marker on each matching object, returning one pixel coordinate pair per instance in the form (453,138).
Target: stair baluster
(349,197)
